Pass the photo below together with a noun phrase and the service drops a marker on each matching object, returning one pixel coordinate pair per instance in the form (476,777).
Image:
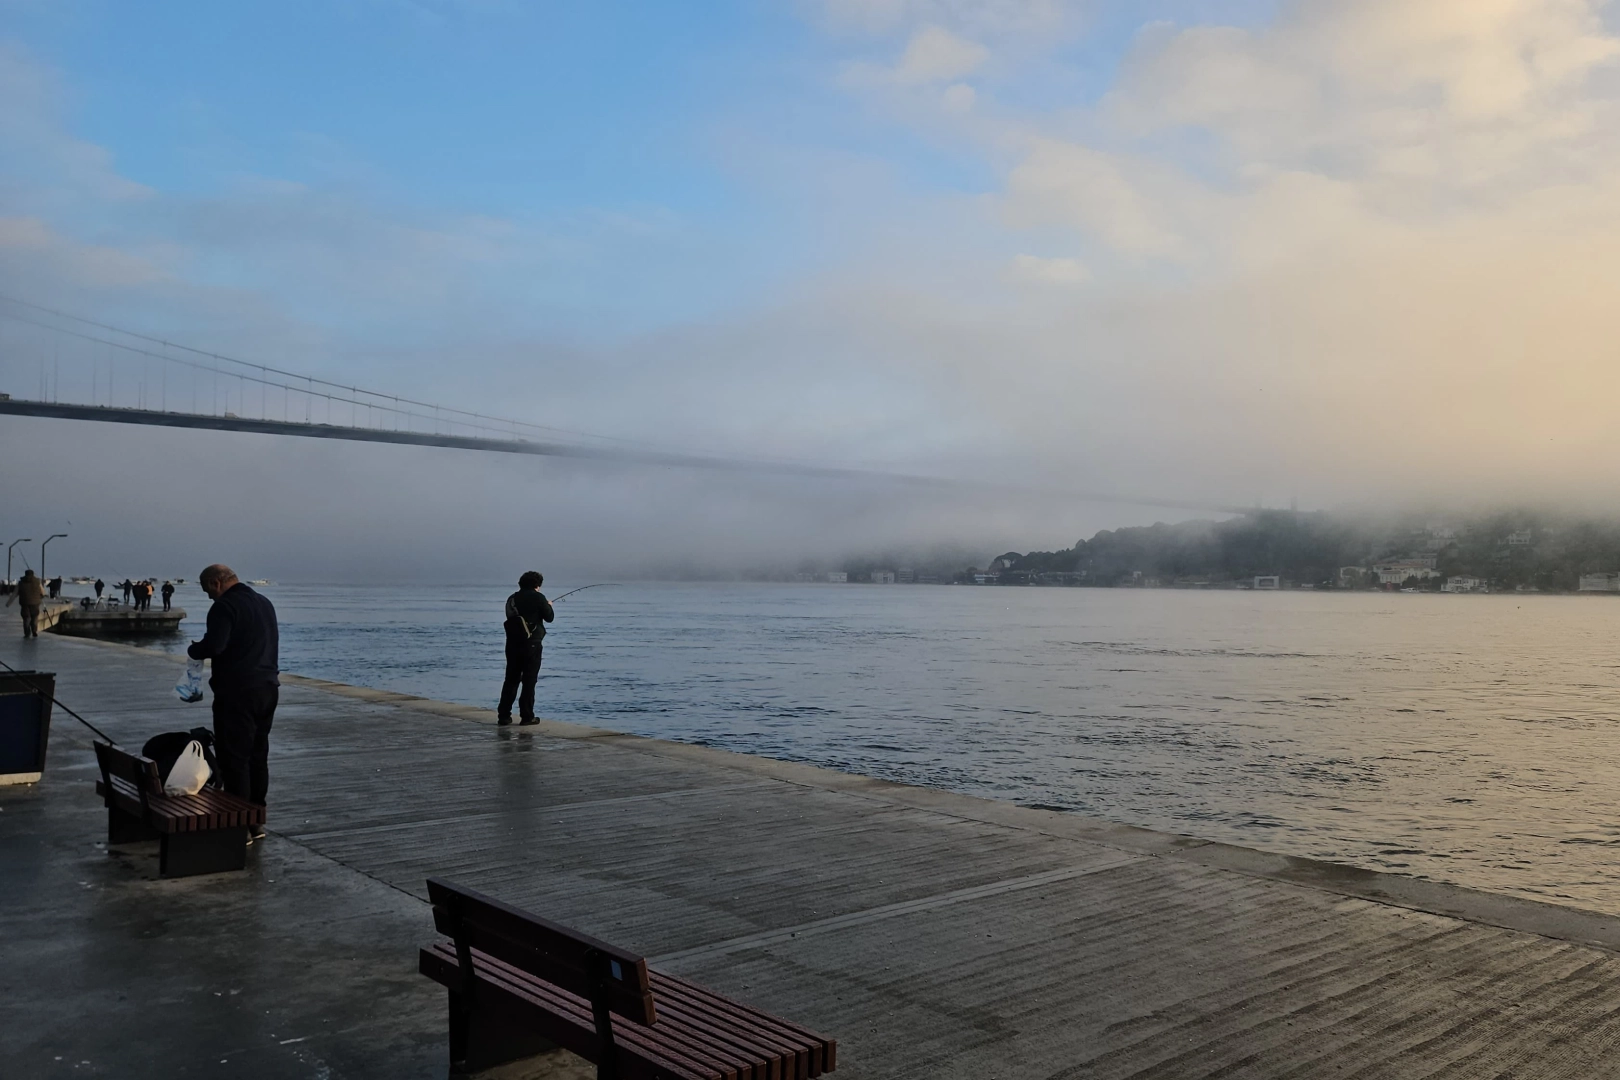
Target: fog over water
(1469,739)
(1338,250)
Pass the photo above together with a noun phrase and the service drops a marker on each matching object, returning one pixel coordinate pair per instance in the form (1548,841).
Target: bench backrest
(139,771)
(565,958)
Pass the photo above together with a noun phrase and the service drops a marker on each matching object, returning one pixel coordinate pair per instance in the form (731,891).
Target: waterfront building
(1268,581)
(883,577)
(1600,583)
(1462,583)
(905,576)
(837,577)
(1396,573)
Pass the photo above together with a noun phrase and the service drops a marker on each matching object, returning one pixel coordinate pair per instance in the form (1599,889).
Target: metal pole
(14,543)
(48,539)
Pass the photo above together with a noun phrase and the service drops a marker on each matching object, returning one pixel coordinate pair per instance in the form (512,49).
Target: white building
(1461,583)
(1600,583)
(1269,581)
(883,577)
(1395,573)
(837,577)
(1519,539)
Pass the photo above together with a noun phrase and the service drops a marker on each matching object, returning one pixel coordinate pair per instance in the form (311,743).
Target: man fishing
(527,612)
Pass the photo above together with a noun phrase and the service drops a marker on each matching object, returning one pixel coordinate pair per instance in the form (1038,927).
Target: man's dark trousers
(242,717)
(522,667)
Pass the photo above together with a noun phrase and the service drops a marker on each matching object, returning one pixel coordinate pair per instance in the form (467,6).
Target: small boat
(261,581)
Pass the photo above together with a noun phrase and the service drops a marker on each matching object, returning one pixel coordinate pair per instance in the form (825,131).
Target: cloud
(1357,250)
(1046,271)
(936,55)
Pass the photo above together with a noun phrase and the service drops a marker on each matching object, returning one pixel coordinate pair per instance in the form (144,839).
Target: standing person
(30,593)
(243,642)
(145,588)
(527,612)
(168,594)
(129,587)
(99,586)
(55,586)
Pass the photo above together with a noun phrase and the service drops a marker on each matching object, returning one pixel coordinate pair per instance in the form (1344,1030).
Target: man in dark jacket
(527,612)
(243,643)
(30,593)
(168,594)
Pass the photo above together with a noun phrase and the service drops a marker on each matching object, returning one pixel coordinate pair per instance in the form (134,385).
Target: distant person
(30,593)
(99,586)
(129,588)
(168,594)
(527,612)
(243,642)
(55,586)
(146,594)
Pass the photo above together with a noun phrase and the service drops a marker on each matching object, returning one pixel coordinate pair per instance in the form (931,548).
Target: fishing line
(582,588)
(44,694)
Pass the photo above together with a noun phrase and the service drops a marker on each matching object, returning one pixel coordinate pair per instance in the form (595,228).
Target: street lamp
(14,543)
(48,539)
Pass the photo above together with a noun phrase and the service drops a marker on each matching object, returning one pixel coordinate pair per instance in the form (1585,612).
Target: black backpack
(165,749)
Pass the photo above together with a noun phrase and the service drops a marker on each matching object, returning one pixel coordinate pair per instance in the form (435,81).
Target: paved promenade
(934,935)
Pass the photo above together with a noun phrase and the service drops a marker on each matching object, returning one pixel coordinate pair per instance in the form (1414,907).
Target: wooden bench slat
(672,1041)
(824,1050)
(208,809)
(552,982)
(676,982)
(573,1028)
(756,1051)
(786,1060)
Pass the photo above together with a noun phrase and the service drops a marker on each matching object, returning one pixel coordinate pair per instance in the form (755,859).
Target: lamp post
(48,539)
(14,543)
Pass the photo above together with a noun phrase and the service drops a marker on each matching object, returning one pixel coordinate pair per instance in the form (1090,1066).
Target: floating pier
(115,622)
(932,934)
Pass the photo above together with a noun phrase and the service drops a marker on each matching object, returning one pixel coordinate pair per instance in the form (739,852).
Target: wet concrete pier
(934,935)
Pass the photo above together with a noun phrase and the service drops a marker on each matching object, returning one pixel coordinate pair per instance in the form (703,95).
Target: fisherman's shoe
(527,721)
(503,721)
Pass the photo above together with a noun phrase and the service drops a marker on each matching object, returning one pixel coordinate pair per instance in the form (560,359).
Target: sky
(1226,251)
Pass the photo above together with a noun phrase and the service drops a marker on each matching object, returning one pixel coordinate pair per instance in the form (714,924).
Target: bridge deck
(934,935)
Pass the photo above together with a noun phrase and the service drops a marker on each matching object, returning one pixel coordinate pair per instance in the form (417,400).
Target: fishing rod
(45,694)
(582,588)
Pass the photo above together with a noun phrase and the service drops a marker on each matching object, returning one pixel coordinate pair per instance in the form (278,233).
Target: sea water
(1470,739)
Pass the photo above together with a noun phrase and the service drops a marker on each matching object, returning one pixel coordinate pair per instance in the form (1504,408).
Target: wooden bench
(203,833)
(520,984)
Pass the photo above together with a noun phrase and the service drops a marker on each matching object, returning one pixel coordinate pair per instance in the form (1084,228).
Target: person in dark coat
(243,643)
(168,594)
(527,612)
(30,593)
(99,586)
(129,588)
(55,585)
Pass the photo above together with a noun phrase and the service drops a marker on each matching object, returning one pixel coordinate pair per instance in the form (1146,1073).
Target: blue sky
(680,124)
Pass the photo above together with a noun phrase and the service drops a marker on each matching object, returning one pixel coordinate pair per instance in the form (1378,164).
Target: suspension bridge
(120,376)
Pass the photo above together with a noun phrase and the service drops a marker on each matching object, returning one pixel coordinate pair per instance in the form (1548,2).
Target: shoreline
(1503,910)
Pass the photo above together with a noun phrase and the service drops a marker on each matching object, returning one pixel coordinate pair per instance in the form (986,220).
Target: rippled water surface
(1465,738)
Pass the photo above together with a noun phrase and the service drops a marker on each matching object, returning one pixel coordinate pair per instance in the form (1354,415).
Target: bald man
(243,643)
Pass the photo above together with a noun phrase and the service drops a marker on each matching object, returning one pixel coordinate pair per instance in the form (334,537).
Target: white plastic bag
(190,771)
(189,688)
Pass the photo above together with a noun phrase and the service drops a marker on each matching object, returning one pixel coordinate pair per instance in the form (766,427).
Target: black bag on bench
(165,749)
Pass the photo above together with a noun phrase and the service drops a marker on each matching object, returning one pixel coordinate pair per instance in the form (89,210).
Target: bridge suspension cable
(114,382)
